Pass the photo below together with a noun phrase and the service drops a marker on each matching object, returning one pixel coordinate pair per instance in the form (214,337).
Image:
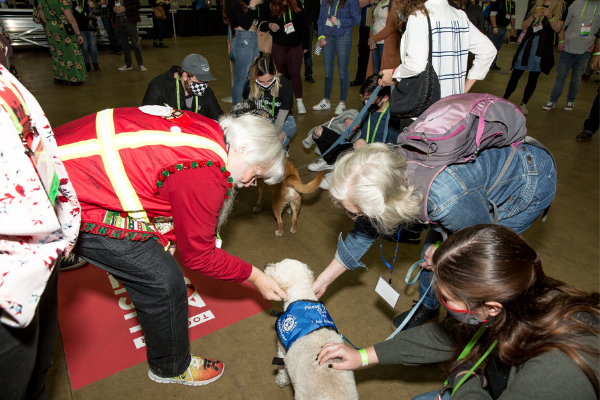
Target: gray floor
(567,242)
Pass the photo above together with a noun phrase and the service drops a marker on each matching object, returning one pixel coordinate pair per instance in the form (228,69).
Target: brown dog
(287,193)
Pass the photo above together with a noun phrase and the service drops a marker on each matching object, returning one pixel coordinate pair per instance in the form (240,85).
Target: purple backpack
(455,130)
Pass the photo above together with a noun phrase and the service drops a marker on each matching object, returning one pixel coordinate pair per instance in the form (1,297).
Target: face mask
(374,106)
(464,316)
(266,88)
(198,89)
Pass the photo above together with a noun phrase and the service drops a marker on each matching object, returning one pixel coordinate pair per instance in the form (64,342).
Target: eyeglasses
(353,216)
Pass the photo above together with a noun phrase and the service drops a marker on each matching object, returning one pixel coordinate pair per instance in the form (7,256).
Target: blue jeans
(154,281)
(113,38)
(458,199)
(497,39)
(244,47)
(308,61)
(90,47)
(566,62)
(377,55)
(289,130)
(340,46)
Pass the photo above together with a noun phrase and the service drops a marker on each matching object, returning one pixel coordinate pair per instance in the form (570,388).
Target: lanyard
(376,126)
(178,101)
(585,12)
(290,13)
(267,105)
(336,8)
(506,6)
(391,267)
(466,351)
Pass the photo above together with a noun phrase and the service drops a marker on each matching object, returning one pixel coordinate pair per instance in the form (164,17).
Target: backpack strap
(507,163)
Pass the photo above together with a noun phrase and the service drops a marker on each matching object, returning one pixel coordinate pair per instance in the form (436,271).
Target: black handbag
(411,96)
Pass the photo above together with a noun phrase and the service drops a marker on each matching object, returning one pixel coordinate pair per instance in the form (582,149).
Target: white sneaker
(143,69)
(326,181)
(340,109)
(523,108)
(569,106)
(323,105)
(300,107)
(549,106)
(125,68)
(320,165)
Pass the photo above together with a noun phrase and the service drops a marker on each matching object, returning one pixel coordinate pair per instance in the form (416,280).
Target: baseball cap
(198,66)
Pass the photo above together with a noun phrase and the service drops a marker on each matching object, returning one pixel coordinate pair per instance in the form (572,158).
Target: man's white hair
(373,178)
(257,141)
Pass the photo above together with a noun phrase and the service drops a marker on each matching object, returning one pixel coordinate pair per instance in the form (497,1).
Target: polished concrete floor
(568,242)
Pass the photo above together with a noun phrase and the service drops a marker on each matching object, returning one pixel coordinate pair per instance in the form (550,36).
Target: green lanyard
(508,9)
(267,105)
(375,12)
(336,8)
(178,102)
(585,12)
(466,351)
(376,126)
(290,13)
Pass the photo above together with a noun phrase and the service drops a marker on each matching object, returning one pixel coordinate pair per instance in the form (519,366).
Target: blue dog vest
(301,318)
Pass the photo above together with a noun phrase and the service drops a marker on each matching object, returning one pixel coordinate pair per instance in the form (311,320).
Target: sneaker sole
(548,108)
(327,167)
(158,379)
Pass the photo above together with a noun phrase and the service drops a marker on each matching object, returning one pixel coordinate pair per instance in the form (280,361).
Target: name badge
(218,243)
(78,9)
(538,28)
(387,292)
(508,16)
(328,23)
(289,28)
(104,6)
(585,30)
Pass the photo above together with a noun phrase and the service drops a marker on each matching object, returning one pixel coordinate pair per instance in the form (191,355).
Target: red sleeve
(196,196)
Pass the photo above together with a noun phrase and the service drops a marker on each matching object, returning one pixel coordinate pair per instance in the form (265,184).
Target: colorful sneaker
(569,106)
(201,371)
(549,106)
(323,105)
(340,109)
(320,165)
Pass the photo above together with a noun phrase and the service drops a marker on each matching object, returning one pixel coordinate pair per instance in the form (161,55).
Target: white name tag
(537,28)
(585,30)
(387,292)
(328,23)
(289,28)
(218,243)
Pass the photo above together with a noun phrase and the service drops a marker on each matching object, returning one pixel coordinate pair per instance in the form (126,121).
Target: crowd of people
(186,158)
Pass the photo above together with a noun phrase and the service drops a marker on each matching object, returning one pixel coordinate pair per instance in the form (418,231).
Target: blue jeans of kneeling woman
(458,199)
(289,130)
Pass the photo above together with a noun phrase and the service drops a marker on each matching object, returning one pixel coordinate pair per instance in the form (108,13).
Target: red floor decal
(100,331)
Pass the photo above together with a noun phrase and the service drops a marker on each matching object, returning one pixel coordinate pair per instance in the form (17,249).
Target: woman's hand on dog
(269,289)
(351,358)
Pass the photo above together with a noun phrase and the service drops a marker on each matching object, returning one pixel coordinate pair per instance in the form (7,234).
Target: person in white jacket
(454,36)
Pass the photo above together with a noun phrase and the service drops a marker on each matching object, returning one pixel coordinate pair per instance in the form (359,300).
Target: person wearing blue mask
(538,335)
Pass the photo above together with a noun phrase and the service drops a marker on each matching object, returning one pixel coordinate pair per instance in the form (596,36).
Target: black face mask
(374,106)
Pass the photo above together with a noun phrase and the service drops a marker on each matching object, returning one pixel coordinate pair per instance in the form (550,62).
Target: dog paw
(256,209)
(289,210)
(278,233)
(293,230)
(282,380)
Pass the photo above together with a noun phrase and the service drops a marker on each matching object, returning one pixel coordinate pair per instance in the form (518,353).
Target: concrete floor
(568,242)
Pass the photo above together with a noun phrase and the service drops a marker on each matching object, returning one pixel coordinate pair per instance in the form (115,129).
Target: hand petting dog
(268,288)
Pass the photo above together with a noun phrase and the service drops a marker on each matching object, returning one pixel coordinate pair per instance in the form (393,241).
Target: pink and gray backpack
(455,130)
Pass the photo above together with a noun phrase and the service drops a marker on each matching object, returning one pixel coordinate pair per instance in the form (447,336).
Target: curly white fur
(310,380)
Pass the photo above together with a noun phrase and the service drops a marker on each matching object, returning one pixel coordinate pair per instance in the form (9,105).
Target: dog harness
(301,318)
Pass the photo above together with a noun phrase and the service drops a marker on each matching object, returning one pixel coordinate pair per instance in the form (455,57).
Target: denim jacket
(458,197)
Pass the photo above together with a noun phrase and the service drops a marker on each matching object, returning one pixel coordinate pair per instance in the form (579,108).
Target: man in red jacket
(131,167)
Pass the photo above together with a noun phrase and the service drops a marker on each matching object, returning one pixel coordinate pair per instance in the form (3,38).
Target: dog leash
(348,130)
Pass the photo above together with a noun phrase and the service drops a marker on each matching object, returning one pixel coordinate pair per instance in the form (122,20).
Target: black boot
(88,67)
(421,316)
(161,44)
(96,67)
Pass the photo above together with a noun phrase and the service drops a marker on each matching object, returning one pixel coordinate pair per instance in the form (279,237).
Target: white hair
(257,141)
(373,178)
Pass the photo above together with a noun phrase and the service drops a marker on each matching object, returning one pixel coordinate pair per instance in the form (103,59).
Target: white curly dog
(310,380)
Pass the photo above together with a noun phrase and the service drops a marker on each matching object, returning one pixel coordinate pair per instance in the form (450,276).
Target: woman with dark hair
(453,36)
(536,51)
(539,334)
(287,22)
(336,20)
(275,92)
(241,17)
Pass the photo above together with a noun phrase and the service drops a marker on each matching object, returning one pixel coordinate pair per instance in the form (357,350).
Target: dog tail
(306,188)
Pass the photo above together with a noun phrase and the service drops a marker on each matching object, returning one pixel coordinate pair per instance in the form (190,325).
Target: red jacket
(129,167)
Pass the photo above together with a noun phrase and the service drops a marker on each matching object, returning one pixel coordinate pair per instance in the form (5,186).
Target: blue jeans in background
(567,62)
(154,281)
(377,55)
(90,47)
(244,47)
(497,39)
(340,46)
(289,130)
(113,38)
(308,61)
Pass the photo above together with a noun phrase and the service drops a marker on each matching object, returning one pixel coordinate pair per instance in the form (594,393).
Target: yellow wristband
(562,41)
(550,20)
(364,356)
(319,38)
